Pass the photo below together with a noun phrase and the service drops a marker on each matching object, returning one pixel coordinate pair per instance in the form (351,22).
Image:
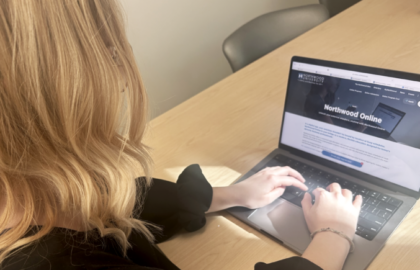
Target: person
(73,115)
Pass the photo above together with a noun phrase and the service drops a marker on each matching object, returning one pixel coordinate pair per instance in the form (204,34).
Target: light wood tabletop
(234,124)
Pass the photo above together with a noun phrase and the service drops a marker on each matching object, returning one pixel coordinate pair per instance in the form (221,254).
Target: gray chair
(269,31)
(336,6)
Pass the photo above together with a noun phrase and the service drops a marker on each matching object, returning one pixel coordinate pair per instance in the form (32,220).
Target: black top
(174,207)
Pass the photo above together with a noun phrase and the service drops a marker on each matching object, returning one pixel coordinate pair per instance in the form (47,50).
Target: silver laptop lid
(365,121)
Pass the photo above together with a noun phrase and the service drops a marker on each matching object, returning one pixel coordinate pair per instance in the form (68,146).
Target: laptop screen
(364,121)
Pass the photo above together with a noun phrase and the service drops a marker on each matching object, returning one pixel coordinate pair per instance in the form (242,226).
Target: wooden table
(231,126)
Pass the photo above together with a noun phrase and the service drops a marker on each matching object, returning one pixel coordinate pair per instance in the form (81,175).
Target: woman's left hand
(267,185)
(258,190)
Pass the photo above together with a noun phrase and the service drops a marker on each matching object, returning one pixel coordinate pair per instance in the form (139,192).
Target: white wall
(178,43)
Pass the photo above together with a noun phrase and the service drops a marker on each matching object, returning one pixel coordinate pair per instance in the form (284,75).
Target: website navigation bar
(358,76)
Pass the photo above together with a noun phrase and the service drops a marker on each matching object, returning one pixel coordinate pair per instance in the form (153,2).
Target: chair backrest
(336,6)
(269,31)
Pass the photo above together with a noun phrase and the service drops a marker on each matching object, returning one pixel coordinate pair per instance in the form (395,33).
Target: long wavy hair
(69,143)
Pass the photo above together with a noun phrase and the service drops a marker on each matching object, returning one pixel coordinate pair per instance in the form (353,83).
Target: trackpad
(284,221)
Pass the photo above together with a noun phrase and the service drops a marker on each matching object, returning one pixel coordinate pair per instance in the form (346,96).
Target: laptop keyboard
(376,210)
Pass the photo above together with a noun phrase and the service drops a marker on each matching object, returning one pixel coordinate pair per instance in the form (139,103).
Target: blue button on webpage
(343,159)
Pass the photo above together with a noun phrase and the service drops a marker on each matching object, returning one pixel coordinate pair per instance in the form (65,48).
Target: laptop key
(311,169)
(368,208)
(354,188)
(309,182)
(374,194)
(345,184)
(381,213)
(363,213)
(274,163)
(359,230)
(367,234)
(364,191)
(322,182)
(289,161)
(372,209)
(387,207)
(303,167)
(298,193)
(384,214)
(372,226)
(305,174)
(337,180)
(378,220)
(387,215)
(288,196)
(395,202)
(384,198)
(373,201)
(292,189)
(292,198)
(295,165)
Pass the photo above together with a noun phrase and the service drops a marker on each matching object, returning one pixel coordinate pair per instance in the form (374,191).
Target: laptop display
(364,121)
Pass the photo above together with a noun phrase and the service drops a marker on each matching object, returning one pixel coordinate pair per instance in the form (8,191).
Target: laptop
(326,134)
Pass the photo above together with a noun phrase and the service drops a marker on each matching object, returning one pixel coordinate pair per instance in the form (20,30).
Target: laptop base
(284,221)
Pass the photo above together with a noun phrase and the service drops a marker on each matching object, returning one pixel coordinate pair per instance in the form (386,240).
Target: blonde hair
(63,148)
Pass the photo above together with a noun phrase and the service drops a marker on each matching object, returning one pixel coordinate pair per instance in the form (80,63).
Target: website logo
(308,78)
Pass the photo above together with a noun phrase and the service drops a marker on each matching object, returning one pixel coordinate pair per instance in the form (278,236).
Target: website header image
(382,111)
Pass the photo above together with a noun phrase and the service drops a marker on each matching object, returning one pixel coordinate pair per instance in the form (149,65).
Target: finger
(306,203)
(318,193)
(358,202)
(287,171)
(334,187)
(285,181)
(347,194)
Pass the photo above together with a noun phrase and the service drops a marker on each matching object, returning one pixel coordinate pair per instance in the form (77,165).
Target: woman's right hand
(333,209)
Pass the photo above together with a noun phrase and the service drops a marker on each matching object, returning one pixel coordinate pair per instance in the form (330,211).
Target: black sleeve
(178,206)
(293,263)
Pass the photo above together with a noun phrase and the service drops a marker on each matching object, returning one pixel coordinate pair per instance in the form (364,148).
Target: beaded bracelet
(336,232)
